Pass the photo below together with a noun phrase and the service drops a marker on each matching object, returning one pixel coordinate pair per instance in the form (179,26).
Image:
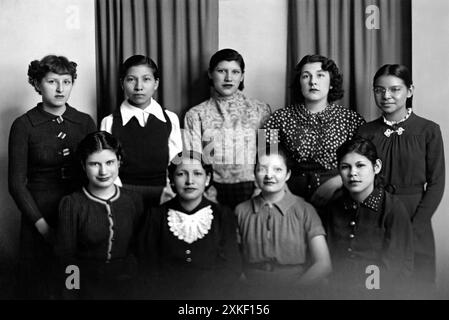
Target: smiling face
(315,83)
(190,181)
(139,85)
(358,173)
(101,170)
(55,89)
(226,77)
(391,93)
(271,175)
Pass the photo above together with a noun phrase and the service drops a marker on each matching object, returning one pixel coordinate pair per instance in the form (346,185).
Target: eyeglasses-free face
(226,77)
(391,94)
(358,173)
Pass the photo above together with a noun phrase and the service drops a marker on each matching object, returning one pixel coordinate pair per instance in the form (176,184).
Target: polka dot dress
(312,137)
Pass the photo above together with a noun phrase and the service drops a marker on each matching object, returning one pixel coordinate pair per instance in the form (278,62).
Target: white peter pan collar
(128,111)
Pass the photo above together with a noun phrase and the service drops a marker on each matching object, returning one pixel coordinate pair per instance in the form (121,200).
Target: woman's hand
(45,230)
(321,266)
(325,191)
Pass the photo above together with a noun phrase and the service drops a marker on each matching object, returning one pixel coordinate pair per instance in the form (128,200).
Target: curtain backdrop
(180,36)
(359,38)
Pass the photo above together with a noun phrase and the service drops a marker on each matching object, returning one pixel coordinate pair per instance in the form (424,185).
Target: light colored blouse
(225,130)
(277,232)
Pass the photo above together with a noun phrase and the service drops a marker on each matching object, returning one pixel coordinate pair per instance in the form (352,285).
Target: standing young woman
(411,148)
(312,130)
(224,128)
(42,168)
(143,126)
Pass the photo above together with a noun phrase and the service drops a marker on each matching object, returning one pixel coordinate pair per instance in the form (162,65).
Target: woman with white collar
(143,127)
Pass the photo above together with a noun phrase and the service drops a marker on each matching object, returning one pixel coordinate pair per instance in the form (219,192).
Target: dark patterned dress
(311,140)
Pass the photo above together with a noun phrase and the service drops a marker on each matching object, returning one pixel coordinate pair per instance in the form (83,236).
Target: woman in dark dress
(97,227)
(188,249)
(42,169)
(312,129)
(368,229)
(411,149)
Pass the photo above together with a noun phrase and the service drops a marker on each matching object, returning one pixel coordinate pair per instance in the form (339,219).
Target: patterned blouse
(225,130)
(313,137)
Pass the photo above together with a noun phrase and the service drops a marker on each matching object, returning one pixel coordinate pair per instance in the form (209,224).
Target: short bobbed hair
(37,69)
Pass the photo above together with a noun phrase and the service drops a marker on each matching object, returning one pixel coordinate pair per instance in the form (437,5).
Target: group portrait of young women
(322,204)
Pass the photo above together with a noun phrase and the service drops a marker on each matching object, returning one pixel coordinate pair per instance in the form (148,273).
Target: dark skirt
(37,265)
(423,241)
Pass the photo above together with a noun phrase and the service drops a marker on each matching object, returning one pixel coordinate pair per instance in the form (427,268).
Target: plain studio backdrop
(30,29)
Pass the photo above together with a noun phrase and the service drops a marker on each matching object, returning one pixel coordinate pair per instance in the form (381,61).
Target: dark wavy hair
(37,69)
(364,147)
(138,60)
(227,55)
(336,78)
(192,155)
(397,70)
(98,141)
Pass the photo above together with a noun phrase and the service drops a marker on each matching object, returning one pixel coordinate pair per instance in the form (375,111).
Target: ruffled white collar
(190,227)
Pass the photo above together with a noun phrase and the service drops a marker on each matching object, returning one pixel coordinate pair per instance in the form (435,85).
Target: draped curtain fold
(359,38)
(180,36)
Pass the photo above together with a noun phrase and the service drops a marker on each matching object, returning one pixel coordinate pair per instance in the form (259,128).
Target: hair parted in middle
(227,55)
(98,141)
(138,60)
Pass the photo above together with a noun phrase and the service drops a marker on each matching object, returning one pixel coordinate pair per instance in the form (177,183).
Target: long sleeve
(139,222)
(106,124)
(192,133)
(149,242)
(18,170)
(435,178)
(175,139)
(67,230)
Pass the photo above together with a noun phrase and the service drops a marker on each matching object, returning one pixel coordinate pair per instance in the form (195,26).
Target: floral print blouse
(225,130)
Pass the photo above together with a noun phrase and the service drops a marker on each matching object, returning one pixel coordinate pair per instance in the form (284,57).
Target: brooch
(389,132)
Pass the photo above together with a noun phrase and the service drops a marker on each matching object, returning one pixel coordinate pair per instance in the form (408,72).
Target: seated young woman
(188,248)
